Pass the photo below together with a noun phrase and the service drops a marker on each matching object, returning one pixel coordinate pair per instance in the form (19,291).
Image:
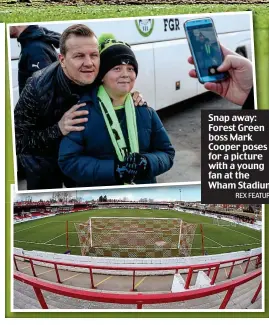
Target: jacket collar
(86,93)
(89,96)
(63,81)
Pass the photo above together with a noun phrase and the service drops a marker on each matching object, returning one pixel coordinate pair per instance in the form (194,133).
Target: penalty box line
(244,234)
(55,238)
(36,243)
(214,241)
(15,232)
(43,243)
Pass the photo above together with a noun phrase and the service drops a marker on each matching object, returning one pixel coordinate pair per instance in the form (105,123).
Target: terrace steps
(24,298)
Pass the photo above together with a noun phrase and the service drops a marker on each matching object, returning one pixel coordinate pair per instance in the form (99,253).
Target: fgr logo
(172,24)
(145,26)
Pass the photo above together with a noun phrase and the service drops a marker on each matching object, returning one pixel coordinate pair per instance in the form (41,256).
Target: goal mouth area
(160,243)
(136,235)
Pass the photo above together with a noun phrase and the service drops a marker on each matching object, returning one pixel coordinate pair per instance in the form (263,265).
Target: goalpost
(178,245)
(136,237)
(223,222)
(203,240)
(91,232)
(187,233)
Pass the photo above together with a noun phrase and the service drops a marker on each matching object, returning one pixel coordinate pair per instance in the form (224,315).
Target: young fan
(121,144)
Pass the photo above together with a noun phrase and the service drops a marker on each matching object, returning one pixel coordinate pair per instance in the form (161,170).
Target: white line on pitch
(214,241)
(28,242)
(54,238)
(15,232)
(243,234)
(36,243)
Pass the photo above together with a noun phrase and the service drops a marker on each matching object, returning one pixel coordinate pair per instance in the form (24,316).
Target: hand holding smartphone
(205,49)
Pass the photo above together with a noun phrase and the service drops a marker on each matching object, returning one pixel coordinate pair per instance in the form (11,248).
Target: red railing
(191,268)
(138,299)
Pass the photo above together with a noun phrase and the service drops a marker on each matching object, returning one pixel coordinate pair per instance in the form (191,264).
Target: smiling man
(48,107)
(120,144)
(79,57)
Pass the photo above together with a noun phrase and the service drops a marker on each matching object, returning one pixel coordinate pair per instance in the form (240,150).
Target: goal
(135,237)
(223,222)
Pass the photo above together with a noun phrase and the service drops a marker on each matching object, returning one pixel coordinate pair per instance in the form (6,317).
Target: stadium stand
(44,208)
(235,292)
(239,287)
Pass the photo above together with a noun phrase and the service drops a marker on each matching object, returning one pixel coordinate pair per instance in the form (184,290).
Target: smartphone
(205,49)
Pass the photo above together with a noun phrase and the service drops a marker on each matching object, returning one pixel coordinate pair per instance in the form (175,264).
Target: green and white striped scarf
(113,125)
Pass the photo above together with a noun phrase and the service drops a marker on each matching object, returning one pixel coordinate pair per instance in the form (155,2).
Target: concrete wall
(142,262)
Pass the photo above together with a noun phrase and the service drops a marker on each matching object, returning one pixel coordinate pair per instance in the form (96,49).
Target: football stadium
(107,254)
(124,226)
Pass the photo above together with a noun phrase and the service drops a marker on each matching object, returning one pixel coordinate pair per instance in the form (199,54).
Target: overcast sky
(160,193)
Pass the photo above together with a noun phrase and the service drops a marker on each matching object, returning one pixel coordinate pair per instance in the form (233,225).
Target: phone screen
(205,49)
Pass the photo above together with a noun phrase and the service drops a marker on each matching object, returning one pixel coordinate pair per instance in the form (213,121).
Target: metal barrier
(138,299)
(209,267)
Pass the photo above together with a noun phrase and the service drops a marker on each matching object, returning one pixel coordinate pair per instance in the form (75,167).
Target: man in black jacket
(37,50)
(48,107)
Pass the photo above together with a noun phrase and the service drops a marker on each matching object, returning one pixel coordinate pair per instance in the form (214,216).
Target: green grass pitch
(49,234)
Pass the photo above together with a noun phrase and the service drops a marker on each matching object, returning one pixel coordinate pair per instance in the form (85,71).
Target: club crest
(145,26)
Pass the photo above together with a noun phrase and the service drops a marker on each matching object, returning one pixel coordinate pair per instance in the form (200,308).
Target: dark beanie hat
(113,53)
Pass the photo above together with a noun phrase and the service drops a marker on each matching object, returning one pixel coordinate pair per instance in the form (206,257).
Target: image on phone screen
(205,49)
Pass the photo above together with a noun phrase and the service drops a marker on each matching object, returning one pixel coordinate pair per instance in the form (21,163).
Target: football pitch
(49,234)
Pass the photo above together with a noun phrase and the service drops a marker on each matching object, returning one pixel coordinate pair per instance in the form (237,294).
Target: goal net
(223,222)
(136,237)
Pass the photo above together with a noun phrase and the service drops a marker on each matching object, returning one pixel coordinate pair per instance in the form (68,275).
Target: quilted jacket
(88,157)
(47,95)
